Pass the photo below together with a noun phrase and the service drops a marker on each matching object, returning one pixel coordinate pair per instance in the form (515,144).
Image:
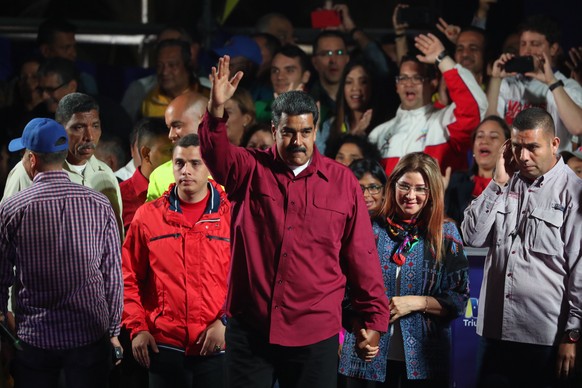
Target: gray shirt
(532,283)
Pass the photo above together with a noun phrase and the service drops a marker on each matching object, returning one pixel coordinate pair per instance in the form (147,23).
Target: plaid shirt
(63,241)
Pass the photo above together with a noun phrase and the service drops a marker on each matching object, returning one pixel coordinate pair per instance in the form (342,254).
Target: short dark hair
(426,69)
(64,68)
(112,145)
(369,150)
(272,43)
(328,34)
(265,127)
(544,25)
(185,54)
(481,32)
(293,103)
(292,51)
(264,21)
(48,29)
(53,158)
(188,35)
(534,118)
(365,166)
(149,128)
(74,103)
(190,140)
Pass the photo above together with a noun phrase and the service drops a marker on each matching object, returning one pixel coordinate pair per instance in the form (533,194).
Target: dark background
(121,63)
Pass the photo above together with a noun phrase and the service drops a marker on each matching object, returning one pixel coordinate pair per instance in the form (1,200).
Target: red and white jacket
(175,272)
(444,134)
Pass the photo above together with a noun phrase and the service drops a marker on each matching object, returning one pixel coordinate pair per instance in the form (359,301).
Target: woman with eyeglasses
(372,181)
(426,279)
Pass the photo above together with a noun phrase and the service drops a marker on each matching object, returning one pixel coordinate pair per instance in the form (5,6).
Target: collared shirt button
(509,275)
(277,307)
(289,227)
(293,203)
(284,254)
(280,281)
(523,212)
(507,296)
(513,252)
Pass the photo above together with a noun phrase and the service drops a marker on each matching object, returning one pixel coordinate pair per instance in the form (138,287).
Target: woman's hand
(401,306)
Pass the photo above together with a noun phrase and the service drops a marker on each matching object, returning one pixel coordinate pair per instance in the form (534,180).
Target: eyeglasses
(331,53)
(49,90)
(372,189)
(404,188)
(415,79)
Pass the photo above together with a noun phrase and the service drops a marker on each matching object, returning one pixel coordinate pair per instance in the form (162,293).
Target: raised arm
(481,214)
(568,110)
(400,34)
(497,74)
(432,48)
(229,165)
(222,87)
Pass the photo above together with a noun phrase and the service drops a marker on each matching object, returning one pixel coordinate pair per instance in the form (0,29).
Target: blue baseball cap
(41,135)
(241,46)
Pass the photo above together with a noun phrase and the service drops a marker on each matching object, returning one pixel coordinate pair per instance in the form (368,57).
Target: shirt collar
(50,175)
(211,207)
(554,171)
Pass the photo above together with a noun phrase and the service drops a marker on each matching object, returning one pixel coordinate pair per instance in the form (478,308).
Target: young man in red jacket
(175,264)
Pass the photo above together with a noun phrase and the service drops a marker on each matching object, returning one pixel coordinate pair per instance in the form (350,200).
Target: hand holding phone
(520,65)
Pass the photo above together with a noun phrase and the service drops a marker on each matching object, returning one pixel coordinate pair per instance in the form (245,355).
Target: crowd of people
(265,214)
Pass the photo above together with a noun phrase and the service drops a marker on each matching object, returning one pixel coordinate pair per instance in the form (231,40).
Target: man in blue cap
(80,115)
(63,241)
(245,55)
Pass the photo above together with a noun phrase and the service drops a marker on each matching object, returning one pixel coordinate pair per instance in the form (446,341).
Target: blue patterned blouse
(426,338)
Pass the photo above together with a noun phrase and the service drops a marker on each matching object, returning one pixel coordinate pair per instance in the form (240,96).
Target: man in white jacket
(510,92)
(444,134)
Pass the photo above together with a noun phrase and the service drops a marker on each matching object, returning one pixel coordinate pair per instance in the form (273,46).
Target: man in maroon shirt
(300,231)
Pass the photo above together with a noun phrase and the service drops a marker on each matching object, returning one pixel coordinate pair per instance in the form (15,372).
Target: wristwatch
(573,335)
(440,57)
(224,319)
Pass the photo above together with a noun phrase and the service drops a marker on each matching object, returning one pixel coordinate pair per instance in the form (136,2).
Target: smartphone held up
(520,65)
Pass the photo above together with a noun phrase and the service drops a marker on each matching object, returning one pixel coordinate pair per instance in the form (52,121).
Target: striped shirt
(63,241)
